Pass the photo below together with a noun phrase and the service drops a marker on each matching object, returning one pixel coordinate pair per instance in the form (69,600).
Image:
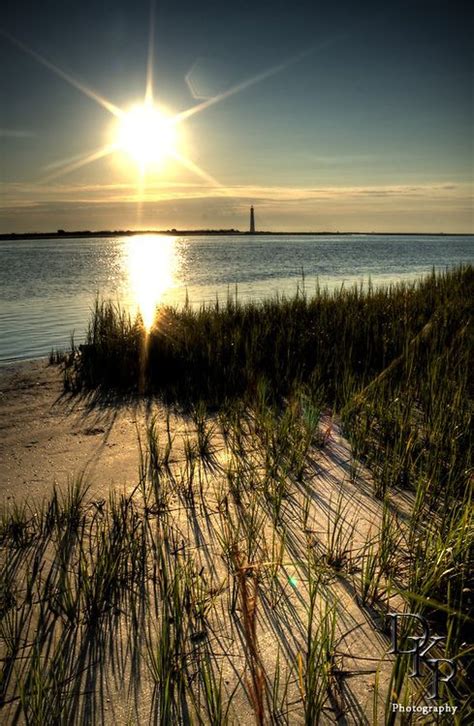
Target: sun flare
(147,135)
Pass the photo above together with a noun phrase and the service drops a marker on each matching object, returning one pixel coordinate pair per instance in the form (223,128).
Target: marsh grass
(370,582)
(335,343)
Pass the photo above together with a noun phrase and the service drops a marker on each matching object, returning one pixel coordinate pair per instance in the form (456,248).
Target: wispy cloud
(14,193)
(439,206)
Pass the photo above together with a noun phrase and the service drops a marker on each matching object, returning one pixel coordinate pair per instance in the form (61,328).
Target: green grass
(253,380)
(91,586)
(336,342)
(395,362)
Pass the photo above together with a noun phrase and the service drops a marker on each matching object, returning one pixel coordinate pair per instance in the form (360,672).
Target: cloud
(18,193)
(439,206)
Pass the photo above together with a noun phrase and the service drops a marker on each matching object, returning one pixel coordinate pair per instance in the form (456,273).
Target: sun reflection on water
(151,265)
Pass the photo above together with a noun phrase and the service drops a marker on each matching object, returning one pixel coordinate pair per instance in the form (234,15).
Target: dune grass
(147,587)
(254,381)
(395,362)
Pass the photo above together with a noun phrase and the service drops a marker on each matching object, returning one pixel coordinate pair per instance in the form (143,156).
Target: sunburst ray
(150,57)
(192,166)
(89,92)
(247,83)
(84,160)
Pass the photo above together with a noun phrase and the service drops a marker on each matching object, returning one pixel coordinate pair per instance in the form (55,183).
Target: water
(47,287)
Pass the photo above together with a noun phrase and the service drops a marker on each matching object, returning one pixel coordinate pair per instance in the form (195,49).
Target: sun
(147,135)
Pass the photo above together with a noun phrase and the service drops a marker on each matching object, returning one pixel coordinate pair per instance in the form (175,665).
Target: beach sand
(48,438)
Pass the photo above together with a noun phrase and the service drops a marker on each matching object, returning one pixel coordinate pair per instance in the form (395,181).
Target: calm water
(47,287)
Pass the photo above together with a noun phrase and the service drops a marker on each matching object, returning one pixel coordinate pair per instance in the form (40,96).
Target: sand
(48,438)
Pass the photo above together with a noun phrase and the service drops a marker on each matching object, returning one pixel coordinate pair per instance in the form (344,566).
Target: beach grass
(336,342)
(219,585)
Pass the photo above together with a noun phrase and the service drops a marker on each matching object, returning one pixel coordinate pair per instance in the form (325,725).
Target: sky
(334,116)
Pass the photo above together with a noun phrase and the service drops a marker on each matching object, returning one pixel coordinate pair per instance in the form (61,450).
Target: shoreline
(206,296)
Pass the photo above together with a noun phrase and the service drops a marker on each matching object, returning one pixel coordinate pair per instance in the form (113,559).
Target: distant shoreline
(85,234)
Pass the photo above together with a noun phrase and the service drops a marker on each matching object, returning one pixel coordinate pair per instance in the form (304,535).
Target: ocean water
(48,287)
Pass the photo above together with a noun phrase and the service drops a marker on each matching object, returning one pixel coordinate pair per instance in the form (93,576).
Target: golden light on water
(147,135)
(151,265)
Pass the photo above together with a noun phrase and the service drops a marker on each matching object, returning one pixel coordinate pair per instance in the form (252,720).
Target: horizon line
(227,231)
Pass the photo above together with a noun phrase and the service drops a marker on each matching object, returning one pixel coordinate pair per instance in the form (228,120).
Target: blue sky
(364,124)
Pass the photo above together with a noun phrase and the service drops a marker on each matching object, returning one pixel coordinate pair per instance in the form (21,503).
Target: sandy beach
(49,438)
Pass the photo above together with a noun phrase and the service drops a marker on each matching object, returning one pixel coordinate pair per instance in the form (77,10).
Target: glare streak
(263,75)
(151,50)
(136,141)
(68,160)
(89,92)
(197,170)
(83,161)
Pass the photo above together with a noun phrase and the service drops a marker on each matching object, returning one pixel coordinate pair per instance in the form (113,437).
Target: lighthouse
(252,221)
